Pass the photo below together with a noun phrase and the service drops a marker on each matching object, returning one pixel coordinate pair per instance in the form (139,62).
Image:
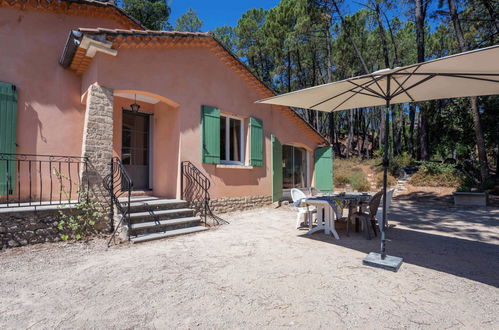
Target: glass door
(135,148)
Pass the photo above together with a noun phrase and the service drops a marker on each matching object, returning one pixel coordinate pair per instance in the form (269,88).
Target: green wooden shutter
(256,142)
(210,132)
(276,169)
(8,120)
(323,160)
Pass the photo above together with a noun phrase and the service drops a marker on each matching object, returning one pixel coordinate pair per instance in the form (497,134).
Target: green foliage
(359,182)
(398,162)
(153,14)
(227,36)
(79,221)
(434,174)
(189,22)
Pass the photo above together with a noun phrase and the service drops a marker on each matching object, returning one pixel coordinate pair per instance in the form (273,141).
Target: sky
(217,12)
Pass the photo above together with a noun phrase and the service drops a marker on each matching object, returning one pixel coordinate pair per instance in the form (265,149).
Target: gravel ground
(260,272)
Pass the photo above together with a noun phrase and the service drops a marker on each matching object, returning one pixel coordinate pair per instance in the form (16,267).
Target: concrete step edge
(170,233)
(135,215)
(163,223)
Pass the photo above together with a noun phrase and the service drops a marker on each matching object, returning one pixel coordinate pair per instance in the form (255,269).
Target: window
(294,167)
(231,140)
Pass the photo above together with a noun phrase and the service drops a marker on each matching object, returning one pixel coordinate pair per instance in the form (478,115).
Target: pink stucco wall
(50,113)
(192,77)
(50,110)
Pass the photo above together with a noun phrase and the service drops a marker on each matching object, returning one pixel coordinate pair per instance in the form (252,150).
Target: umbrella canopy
(472,73)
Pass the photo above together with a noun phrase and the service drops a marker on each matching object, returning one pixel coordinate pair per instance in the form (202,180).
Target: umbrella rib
(368,83)
(414,85)
(405,80)
(368,89)
(348,98)
(467,77)
(403,89)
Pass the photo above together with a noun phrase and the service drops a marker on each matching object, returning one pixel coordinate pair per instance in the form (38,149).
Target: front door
(135,148)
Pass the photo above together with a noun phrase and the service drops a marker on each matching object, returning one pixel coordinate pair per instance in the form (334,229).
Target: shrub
(359,182)
(432,174)
(391,180)
(341,179)
(398,162)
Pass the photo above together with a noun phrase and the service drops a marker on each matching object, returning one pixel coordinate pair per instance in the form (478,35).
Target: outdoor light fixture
(134,106)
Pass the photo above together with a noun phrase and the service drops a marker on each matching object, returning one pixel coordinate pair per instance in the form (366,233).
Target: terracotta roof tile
(73,7)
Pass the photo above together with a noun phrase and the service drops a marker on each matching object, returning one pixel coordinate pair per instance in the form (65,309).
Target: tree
(153,14)
(420,9)
(189,22)
(480,140)
(227,36)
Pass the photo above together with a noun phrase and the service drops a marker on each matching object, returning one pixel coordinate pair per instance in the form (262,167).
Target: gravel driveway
(259,271)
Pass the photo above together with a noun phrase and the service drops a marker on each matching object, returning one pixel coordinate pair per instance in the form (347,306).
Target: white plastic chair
(302,216)
(379,213)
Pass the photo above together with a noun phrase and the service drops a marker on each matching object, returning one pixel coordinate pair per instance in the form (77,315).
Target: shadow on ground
(461,242)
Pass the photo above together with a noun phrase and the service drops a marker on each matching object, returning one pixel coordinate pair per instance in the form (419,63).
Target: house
(83,82)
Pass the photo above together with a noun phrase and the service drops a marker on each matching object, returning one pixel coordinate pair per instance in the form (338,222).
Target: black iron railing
(119,186)
(194,187)
(39,180)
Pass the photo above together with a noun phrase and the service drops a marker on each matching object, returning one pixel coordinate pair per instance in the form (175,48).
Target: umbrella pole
(381,260)
(382,226)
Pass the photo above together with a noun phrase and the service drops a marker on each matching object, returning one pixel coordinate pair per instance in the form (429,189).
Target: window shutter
(210,132)
(276,169)
(8,120)
(256,142)
(323,160)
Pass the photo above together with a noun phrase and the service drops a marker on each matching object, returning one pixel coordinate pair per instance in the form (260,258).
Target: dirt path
(261,272)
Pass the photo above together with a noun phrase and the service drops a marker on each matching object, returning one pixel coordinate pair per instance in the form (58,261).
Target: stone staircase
(372,181)
(155,218)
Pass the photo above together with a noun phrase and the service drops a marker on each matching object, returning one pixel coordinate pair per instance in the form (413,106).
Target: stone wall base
(27,227)
(230,204)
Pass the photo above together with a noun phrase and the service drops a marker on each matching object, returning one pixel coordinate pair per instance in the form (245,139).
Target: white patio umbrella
(472,73)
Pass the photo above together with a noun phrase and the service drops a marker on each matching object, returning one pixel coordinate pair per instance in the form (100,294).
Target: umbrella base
(389,263)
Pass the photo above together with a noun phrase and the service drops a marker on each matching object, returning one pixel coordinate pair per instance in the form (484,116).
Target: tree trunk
(480,140)
(420,13)
(412,117)
(350,132)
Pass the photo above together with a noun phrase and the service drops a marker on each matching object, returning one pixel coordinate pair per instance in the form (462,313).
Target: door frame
(149,142)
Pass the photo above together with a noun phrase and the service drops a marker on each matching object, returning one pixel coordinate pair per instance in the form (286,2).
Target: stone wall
(230,204)
(98,143)
(26,227)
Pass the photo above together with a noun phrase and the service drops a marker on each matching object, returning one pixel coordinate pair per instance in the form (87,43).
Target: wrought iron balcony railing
(39,180)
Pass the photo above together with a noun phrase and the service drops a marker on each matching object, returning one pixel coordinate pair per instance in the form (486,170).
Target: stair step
(170,233)
(164,223)
(158,202)
(159,213)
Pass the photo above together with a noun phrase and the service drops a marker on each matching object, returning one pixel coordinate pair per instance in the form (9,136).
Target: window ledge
(235,166)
